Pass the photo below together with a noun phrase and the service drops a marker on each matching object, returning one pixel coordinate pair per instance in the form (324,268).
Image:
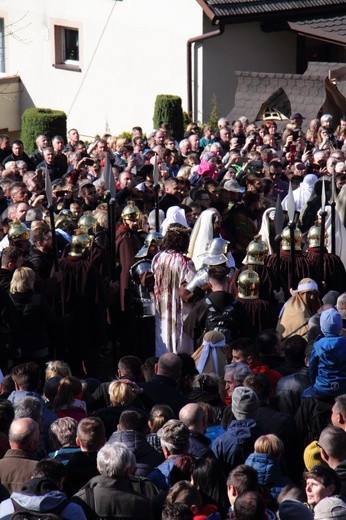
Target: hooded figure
(174,215)
(41,495)
(299,309)
(303,193)
(327,363)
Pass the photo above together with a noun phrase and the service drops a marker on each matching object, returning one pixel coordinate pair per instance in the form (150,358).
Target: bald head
(24,435)
(169,365)
(193,416)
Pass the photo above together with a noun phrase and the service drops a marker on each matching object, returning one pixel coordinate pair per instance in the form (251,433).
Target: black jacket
(147,458)
(163,390)
(24,157)
(42,262)
(194,325)
(35,319)
(168,201)
(112,497)
(79,470)
(199,446)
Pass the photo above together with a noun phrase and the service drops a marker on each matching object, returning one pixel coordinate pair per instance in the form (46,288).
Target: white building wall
(125,63)
(242,47)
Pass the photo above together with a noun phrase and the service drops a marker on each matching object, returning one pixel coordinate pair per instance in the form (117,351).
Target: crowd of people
(175,347)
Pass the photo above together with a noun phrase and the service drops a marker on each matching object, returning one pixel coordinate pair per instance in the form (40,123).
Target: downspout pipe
(190,41)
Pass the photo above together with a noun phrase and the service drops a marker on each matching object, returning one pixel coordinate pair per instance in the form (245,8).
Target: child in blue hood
(327,363)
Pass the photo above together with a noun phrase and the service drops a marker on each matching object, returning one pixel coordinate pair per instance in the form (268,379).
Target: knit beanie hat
(294,510)
(176,433)
(330,298)
(331,322)
(312,456)
(244,403)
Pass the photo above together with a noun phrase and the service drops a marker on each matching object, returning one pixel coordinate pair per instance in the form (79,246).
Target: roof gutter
(190,41)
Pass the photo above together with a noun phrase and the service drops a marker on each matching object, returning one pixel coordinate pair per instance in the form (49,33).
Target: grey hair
(183,142)
(239,371)
(33,214)
(203,379)
(64,431)
(326,117)
(21,164)
(23,439)
(30,407)
(215,146)
(113,460)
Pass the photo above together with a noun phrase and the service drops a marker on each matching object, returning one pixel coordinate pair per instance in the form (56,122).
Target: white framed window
(67,50)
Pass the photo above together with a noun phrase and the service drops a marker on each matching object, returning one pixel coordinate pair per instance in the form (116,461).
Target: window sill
(63,66)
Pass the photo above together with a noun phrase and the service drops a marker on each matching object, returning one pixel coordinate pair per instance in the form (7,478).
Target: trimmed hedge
(36,121)
(168,109)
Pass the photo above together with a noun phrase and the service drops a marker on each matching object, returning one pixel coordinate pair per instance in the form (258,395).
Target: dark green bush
(168,110)
(36,121)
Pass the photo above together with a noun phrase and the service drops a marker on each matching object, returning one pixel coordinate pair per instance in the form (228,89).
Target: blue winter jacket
(327,365)
(235,445)
(269,472)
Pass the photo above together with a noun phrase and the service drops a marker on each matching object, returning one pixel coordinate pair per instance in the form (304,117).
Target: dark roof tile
(239,8)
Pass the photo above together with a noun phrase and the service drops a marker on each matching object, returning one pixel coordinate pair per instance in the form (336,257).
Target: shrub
(36,121)
(168,110)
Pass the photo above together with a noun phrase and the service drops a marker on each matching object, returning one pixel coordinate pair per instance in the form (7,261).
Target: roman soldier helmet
(64,221)
(216,252)
(130,212)
(87,222)
(18,231)
(152,239)
(314,235)
(79,243)
(257,250)
(286,239)
(248,285)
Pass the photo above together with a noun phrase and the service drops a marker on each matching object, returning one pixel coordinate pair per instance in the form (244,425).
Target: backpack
(20,513)
(222,320)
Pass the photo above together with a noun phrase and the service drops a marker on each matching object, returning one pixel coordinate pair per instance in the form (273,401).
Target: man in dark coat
(172,194)
(110,494)
(163,387)
(18,154)
(193,416)
(333,272)
(83,293)
(18,464)
(332,443)
(220,298)
(82,466)
(128,243)
(132,430)
(235,445)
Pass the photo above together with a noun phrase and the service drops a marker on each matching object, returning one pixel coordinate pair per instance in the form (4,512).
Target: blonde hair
(101,218)
(120,393)
(23,280)
(57,368)
(120,143)
(270,444)
(112,142)
(184,172)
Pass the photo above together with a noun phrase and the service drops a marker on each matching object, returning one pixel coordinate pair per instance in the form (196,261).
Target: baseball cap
(330,507)
(233,185)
